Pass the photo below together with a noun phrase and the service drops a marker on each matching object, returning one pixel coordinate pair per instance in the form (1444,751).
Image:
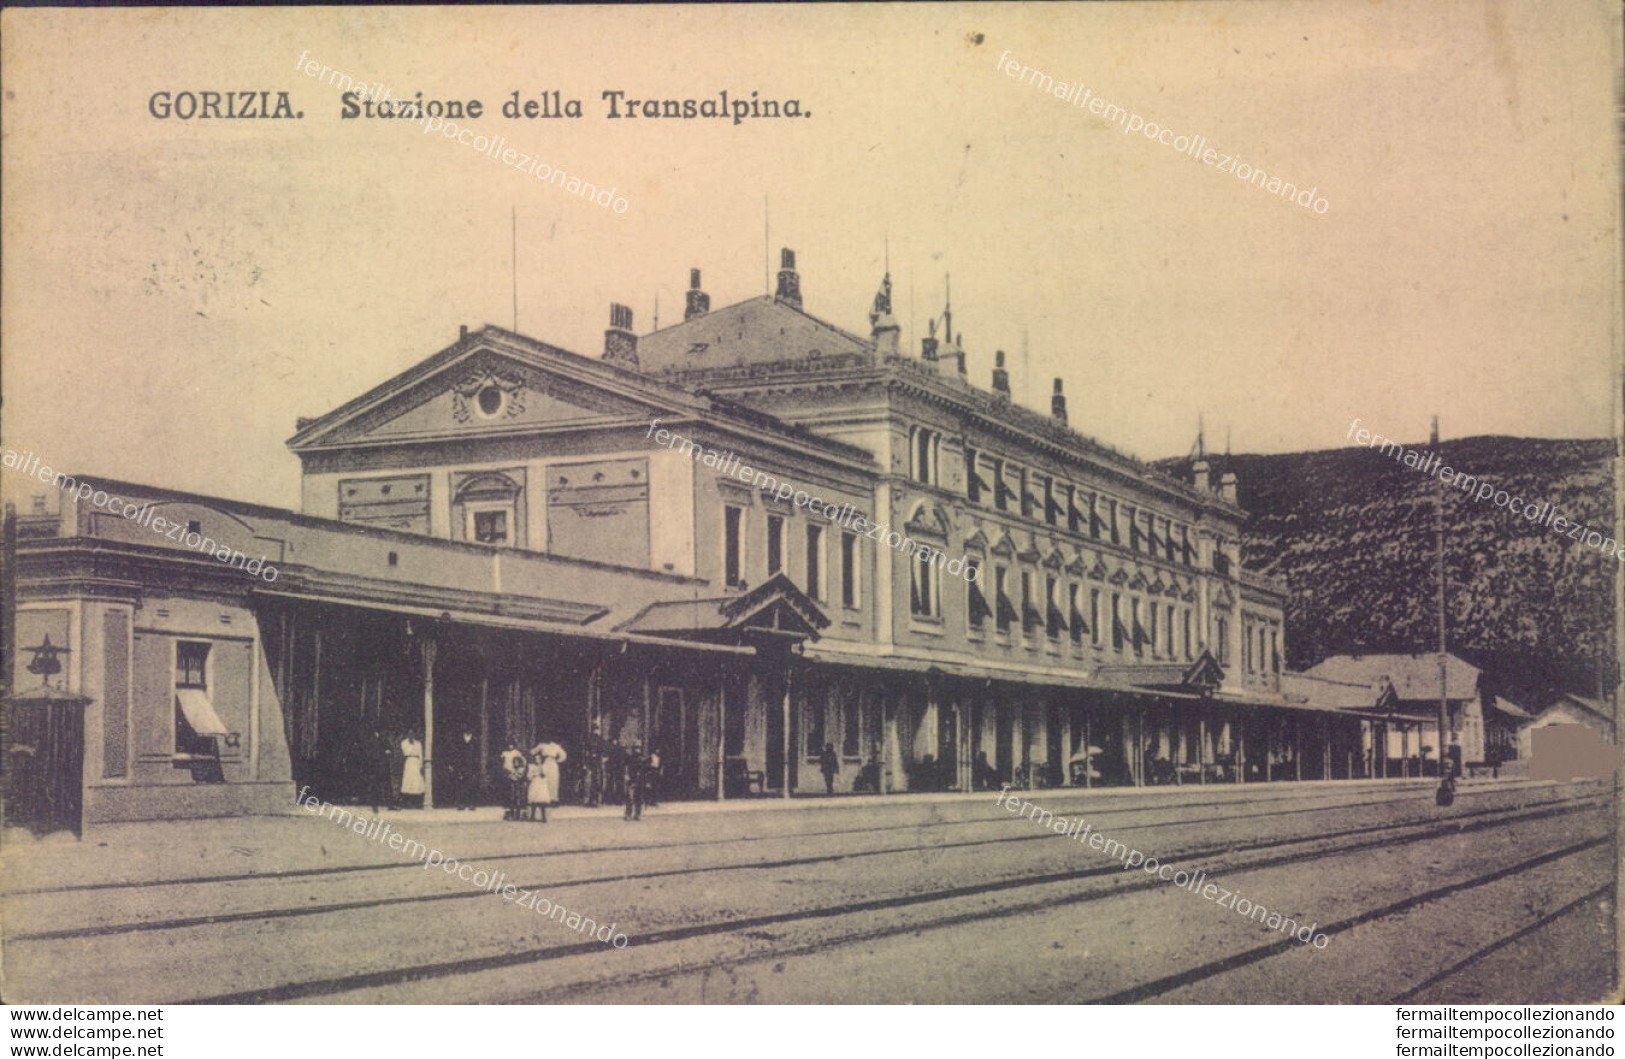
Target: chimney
(1057,404)
(620,344)
(928,344)
(699,302)
(1227,486)
(462,332)
(1199,478)
(789,291)
(1001,378)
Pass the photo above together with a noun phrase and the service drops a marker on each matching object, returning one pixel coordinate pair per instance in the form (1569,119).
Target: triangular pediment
(777,605)
(491,382)
(1205,673)
(488,393)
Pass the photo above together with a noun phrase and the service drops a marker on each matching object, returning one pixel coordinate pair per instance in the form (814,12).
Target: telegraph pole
(1438,573)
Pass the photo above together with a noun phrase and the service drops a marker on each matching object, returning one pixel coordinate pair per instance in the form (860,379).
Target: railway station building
(739,539)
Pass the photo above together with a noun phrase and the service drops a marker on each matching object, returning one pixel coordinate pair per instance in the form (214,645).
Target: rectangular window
(491,527)
(849,570)
(196,723)
(1054,620)
(1185,546)
(1222,631)
(815,562)
(1023,482)
(1275,652)
(1151,616)
(923,597)
(775,544)
(976,608)
(1168,540)
(1132,517)
(1046,496)
(1001,587)
(191,665)
(1001,486)
(973,480)
(1136,626)
(1246,647)
(732,545)
(1030,618)
(1119,633)
(1168,618)
(851,723)
(1111,520)
(1185,617)
(1074,615)
(1094,616)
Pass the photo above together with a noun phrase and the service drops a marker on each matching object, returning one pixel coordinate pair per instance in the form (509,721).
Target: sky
(175,293)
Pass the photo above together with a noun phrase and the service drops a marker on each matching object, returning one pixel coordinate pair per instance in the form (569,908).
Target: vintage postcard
(814,504)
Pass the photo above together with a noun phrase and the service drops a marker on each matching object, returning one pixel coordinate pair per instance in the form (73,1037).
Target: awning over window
(199,712)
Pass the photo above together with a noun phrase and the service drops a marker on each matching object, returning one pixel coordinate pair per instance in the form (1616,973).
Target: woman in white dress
(552,756)
(412,768)
(540,792)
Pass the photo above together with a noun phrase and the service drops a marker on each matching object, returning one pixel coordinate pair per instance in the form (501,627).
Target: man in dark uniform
(829,765)
(381,769)
(635,777)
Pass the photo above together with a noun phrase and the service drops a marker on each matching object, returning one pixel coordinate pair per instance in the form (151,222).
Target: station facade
(511,540)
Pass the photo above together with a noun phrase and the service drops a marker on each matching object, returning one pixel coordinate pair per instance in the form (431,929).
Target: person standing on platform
(381,769)
(829,765)
(412,770)
(540,795)
(552,756)
(634,777)
(514,773)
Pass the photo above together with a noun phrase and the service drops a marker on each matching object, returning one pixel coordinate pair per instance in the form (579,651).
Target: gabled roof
(757,330)
(751,340)
(1319,692)
(1413,676)
(1204,674)
(1601,709)
(775,607)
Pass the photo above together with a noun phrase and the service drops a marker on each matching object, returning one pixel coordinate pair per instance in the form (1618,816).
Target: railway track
(1229,857)
(556,885)
(1334,800)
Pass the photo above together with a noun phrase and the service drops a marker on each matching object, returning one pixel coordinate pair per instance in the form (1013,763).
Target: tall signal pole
(1438,573)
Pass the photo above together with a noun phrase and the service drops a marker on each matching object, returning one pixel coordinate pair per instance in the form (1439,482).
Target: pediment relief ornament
(488,394)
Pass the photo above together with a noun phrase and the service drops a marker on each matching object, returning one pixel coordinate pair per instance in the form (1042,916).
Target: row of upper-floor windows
(1044,606)
(1261,647)
(1005,486)
(778,539)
